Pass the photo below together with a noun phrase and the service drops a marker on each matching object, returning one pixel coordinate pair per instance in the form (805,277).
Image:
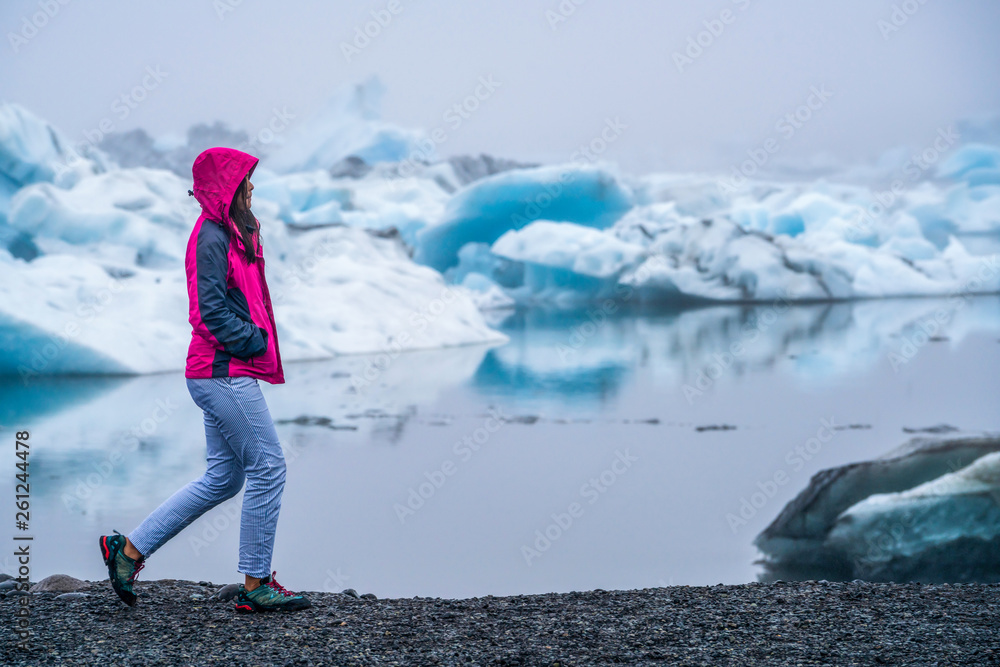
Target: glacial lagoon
(591,450)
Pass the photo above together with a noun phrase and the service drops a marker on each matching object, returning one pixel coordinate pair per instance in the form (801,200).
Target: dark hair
(245,221)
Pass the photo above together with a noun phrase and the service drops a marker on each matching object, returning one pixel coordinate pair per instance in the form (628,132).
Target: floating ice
(123,218)
(315,199)
(335,291)
(801,242)
(947,528)
(720,260)
(928,511)
(481,213)
(564,245)
(500,232)
(976,164)
(564,261)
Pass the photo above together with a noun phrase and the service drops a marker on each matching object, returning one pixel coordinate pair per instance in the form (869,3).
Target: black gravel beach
(802,623)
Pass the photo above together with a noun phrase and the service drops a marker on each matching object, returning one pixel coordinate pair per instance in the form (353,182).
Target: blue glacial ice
(103,288)
(407,232)
(700,243)
(928,511)
(566,263)
(33,151)
(975,164)
(589,195)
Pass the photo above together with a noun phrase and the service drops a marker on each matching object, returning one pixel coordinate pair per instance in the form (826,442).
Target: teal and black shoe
(121,568)
(269,596)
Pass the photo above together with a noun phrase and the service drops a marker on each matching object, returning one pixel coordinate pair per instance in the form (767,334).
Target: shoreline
(780,623)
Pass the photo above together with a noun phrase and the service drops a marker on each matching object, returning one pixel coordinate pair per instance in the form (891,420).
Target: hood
(217,173)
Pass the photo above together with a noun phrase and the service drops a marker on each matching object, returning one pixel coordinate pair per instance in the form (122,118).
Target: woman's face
(249,193)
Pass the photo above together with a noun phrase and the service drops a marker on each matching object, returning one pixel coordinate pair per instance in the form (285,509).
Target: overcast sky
(558,80)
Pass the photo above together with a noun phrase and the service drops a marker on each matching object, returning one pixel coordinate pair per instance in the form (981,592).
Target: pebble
(690,625)
(350,592)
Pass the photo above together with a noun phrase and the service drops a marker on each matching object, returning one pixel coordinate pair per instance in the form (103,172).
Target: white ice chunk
(564,245)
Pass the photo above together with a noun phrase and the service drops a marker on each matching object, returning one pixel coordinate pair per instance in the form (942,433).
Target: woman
(233,344)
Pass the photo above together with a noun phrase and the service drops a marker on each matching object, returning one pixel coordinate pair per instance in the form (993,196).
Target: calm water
(408,486)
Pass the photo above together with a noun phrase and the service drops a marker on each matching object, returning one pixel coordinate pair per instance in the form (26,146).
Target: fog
(695,84)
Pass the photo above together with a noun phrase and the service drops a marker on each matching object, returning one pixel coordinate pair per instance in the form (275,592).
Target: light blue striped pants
(242,444)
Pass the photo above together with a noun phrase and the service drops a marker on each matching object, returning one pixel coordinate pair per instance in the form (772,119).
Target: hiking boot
(269,596)
(121,568)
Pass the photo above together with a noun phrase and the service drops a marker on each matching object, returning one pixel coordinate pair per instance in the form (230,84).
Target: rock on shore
(176,623)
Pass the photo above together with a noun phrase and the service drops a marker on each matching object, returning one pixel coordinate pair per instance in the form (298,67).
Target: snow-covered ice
(104,290)
(337,291)
(404,231)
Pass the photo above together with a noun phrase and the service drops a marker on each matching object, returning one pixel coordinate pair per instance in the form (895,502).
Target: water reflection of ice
(576,355)
(136,435)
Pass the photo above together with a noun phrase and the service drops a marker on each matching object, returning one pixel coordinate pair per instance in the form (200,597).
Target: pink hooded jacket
(233,331)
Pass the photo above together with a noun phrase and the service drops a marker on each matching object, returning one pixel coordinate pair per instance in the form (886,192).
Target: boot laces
(141,564)
(278,587)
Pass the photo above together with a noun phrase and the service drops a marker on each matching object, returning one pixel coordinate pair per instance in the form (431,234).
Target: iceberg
(33,151)
(483,234)
(719,260)
(335,291)
(104,290)
(124,217)
(698,244)
(976,164)
(136,148)
(567,246)
(92,260)
(698,238)
(928,511)
(348,124)
(565,262)
(589,195)
(315,198)
(947,529)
